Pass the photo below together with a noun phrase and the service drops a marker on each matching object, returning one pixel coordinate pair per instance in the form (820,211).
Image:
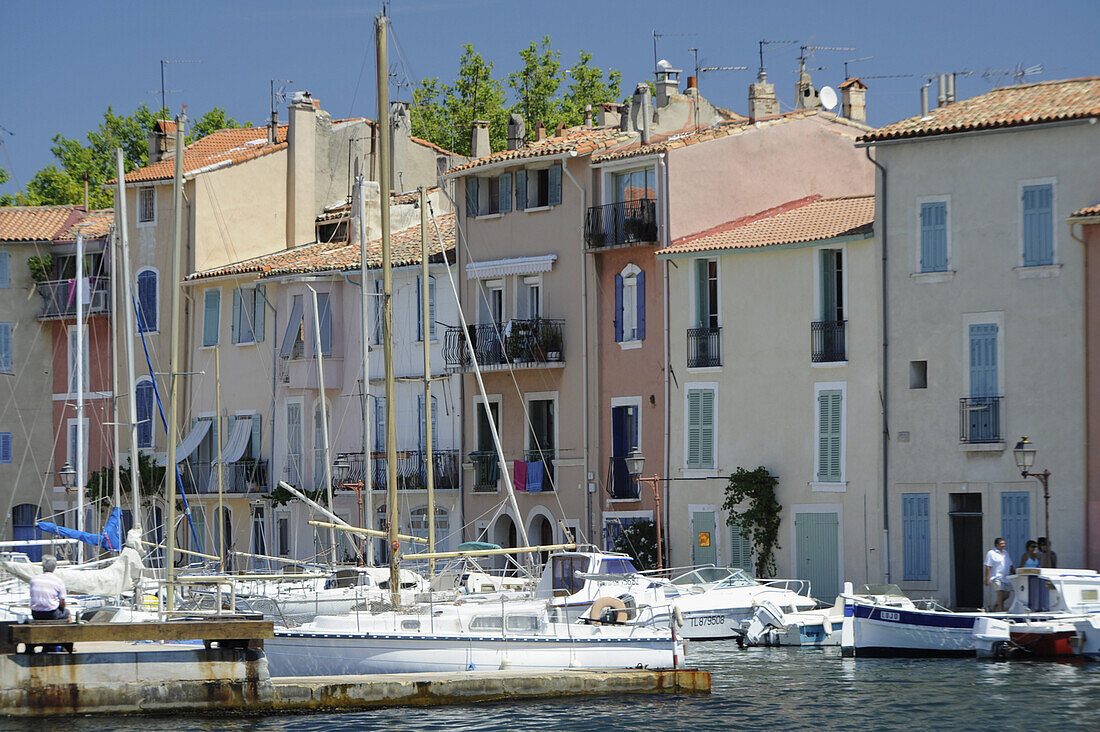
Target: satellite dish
(828,97)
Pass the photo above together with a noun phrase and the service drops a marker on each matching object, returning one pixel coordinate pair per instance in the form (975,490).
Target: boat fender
(596,612)
(677,616)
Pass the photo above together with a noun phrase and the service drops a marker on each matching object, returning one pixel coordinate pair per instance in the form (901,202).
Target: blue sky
(64,62)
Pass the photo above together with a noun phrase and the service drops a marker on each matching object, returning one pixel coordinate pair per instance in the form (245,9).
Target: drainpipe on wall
(662,176)
(885,380)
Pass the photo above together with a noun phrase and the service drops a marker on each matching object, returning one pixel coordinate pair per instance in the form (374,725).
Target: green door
(816,552)
(705,550)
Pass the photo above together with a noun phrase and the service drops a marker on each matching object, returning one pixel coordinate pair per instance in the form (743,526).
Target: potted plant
(549,339)
(514,344)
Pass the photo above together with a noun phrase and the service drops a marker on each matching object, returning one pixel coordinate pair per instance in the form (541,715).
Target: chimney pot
(853,100)
(762,101)
(692,83)
(588,115)
(540,131)
(517,132)
(941,97)
(559,129)
(479,139)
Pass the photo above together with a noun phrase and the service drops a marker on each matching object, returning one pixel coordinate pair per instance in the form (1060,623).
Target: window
(293,341)
(294,443)
(211,315)
(1038,225)
(282,521)
(71,457)
(377,311)
(740,548)
(828,331)
(418,525)
(700,428)
(431,309)
(933,236)
(625,439)
(487,196)
(830,433)
(7,362)
(916,536)
(635,186)
(918,374)
(630,305)
(5,447)
(706,293)
(319,453)
(248,314)
(541,187)
(324,314)
(147,205)
(5,268)
(148,297)
(144,395)
(492,303)
(982,409)
(530,297)
(85,375)
(420,418)
(379,424)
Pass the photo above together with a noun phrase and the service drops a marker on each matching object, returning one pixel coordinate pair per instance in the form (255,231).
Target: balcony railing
(546,455)
(625,222)
(535,341)
(411,470)
(486,470)
(828,341)
(59,298)
(704,347)
(243,476)
(624,486)
(980,419)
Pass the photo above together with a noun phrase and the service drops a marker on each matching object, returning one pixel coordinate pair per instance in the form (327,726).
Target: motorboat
(771,626)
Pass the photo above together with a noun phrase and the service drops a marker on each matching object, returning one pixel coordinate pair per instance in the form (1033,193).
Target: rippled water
(774,688)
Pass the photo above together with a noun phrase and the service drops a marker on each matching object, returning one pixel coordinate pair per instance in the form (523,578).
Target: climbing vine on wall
(750,503)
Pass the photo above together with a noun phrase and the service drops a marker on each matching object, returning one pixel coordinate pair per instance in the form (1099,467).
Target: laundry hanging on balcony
(190,443)
(85,291)
(527,476)
(238,440)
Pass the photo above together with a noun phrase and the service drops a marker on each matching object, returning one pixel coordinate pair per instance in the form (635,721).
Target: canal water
(759,688)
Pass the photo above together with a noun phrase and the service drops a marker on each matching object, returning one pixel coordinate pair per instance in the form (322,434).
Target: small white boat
(1088,630)
(771,626)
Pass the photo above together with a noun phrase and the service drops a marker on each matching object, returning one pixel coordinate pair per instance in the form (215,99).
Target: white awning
(194,437)
(238,440)
(511,266)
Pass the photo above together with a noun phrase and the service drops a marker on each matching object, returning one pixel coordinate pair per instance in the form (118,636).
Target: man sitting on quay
(48,593)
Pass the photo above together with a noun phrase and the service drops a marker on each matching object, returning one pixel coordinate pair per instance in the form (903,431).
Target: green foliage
(759,521)
(281,496)
(101,483)
(63,183)
(588,87)
(536,86)
(4,177)
(41,267)
(639,540)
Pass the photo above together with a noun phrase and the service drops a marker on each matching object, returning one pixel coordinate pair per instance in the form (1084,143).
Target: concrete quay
(130,678)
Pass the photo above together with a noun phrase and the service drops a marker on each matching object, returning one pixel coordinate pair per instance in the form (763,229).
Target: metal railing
(59,297)
(546,455)
(411,470)
(486,470)
(538,340)
(624,222)
(828,341)
(243,476)
(704,347)
(980,419)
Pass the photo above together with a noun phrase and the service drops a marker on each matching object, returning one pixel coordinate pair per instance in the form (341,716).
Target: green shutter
(828,285)
(830,404)
(257,435)
(236,314)
(555,185)
(211,316)
(700,428)
(504,203)
(521,189)
(259,313)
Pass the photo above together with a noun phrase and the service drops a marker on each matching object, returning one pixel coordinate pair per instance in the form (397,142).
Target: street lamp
(68,476)
(635,461)
(1024,454)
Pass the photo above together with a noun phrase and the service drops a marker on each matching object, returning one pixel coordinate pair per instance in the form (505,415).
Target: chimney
(924,99)
(668,83)
(588,115)
(853,100)
(950,88)
(639,111)
(762,101)
(300,170)
(609,115)
(805,96)
(941,98)
(517,132)
(692,85)
(559,129)
(162,140)
(400,132)
(624,118)
(479,139)
(540,131)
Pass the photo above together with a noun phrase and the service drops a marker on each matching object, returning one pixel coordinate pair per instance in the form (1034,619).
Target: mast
(387,300)
(425,316)
(80,477)
(361,189)
(324,416)
(173,368)
(116,478)
(127,307)
(218,447)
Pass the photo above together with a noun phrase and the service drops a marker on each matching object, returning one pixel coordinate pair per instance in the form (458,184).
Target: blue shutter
(983,360)
(521,189)
(259,313)
(555,185)
(1015,522)
(933,237)
(1038,225)
(211,312)
(6,359)
(618,308)
(236,338)
(640,295)
(505,200)
(144,396)
(379,424)
(471,197)
(324,307)
(5,268)
(5,447)
(916,536)
(147,301)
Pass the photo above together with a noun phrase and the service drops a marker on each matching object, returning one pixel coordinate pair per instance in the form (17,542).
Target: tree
(444,114)
(588,87)
(639,540)
(759,521)
(536,86)
(101,482)
(214,120)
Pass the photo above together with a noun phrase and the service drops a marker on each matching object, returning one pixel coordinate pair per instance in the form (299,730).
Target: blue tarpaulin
(110,539)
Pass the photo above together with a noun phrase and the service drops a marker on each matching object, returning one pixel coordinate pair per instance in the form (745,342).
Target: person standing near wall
(997,569)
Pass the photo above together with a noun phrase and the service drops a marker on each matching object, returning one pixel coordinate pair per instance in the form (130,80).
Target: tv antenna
(853,61)
(278,94)
(657,35)
(807,52)
(781,44)
(163,69)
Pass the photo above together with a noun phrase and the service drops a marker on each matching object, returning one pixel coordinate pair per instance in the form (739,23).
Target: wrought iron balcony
(527,343)
(623,485)
(828,341)
(486,470)
(59,298)
(243,476)
(625,222)
(980,419)
(704,347)
(411,470)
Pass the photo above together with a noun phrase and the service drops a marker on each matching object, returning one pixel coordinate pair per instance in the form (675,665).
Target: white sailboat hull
(889,631)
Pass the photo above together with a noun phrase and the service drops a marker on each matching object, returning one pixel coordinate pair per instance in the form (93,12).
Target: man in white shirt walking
(998,567)
(48,593)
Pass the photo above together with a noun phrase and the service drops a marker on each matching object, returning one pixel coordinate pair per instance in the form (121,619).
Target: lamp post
(341,471)
(634,464)
(1024,454)
(68,476)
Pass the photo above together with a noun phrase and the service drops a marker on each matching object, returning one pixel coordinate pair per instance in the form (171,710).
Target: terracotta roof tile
(96,225)
(36,223)
(1010,106)
(224,147)
(808,219)
(342,256)
(578,140)
(1087,212)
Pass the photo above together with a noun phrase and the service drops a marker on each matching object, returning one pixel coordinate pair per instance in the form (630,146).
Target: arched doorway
(24,524)
(541,533)
(504,534)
